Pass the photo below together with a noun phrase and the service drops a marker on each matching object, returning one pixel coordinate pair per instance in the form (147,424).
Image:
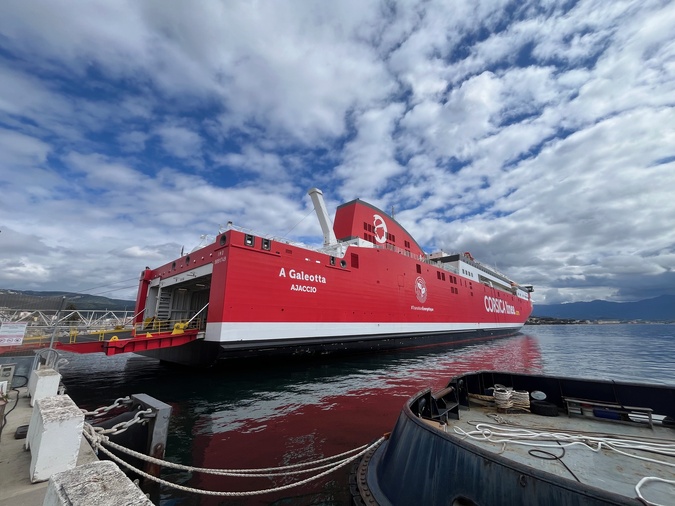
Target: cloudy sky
(540,136)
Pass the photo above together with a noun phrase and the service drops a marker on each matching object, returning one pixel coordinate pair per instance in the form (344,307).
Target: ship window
(249,240)
(343,264)
(419,269)
(443,276)
(332,260)
(355,261)
(223,240)
(187,260)
(438,274)
(266,244)
(173,266)
(365,226)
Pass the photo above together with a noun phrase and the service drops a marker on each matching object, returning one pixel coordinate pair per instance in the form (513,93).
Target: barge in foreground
(370,287)
(589,442)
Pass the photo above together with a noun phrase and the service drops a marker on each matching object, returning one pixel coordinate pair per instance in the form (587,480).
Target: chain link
(122,401)
(118,428)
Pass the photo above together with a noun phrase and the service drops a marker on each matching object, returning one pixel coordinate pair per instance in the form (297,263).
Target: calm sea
(254,416)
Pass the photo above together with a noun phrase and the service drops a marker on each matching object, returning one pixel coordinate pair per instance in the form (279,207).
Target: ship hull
(203,353)
(373,288)
(457,446)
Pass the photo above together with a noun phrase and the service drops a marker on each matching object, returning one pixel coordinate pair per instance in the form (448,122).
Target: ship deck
(530,440)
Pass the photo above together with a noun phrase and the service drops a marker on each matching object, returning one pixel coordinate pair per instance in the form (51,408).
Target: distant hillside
(660,308)
(28,299)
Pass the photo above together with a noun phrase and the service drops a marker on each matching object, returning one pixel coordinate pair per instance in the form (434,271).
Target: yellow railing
(153,325)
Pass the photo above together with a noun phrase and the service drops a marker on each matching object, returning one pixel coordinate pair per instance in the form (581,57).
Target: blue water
(250,416)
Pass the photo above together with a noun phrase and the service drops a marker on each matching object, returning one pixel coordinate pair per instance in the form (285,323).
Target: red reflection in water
(346,415)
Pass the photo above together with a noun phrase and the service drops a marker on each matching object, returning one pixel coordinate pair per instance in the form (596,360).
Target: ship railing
(487,269)
(155,325)
(46,325)
(47,318)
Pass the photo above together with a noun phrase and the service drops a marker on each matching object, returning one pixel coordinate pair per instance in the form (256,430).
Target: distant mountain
(29,299)
(660,308)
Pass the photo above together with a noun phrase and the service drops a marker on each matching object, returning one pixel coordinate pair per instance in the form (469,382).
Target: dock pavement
(16,488)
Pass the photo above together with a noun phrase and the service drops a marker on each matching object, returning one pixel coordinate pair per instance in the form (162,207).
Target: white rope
(646,480)
(521,436)
(98,440)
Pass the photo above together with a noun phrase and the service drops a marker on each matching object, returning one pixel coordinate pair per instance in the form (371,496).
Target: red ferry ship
(370,287)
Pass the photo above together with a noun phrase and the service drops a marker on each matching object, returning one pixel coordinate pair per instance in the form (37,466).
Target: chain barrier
(118,428)
(98,440)
(122,401)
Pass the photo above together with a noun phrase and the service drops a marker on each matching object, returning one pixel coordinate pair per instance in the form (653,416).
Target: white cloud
(19,150)
(180,141)
(538,136)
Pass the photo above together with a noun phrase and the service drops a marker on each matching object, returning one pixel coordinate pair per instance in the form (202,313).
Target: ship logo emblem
(421,289)
(379,228)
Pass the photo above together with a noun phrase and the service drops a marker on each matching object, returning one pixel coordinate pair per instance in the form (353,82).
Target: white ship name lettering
(494,305)
(303,288)
(421,308)
(302,276)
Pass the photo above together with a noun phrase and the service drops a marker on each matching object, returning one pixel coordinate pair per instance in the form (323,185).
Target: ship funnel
(321,213)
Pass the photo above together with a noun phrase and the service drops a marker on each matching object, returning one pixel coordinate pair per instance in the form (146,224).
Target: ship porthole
(343,264)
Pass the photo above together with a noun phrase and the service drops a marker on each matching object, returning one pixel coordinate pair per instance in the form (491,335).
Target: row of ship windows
(266,244)
(249,240)
(467,273)
(368,227)
(441,275)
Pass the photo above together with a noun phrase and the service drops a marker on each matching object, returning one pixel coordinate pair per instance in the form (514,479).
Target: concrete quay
(16,488)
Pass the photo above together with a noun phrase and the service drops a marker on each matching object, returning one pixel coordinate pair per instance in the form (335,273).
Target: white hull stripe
(256,331)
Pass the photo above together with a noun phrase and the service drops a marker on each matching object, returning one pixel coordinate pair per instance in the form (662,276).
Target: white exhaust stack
(321,213)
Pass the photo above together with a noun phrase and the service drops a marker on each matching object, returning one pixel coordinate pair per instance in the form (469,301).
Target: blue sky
(540,136)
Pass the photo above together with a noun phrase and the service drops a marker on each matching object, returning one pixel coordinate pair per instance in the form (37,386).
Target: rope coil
(508,398)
